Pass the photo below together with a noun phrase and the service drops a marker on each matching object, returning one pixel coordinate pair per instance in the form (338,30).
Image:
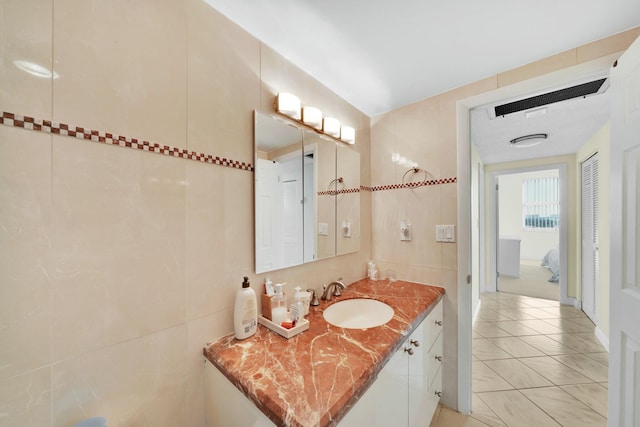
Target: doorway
(466,304)
(527,234)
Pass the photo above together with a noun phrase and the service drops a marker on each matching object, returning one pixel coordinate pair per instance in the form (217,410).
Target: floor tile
(483,349)
(585,365)
(517,373)
(602,357)
(570,325)
(515,327)
(516,347)
(547,345)
(480,411)
(450,418)
(515,314)
(489,330)
(584,342)
(514,409)
(541,326)
(486,379)
(556,372)
(564,408)
(594,395)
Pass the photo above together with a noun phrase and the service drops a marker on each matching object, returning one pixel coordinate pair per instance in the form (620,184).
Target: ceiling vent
(578,91)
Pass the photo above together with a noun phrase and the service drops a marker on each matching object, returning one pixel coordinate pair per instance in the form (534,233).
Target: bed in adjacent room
(551,260)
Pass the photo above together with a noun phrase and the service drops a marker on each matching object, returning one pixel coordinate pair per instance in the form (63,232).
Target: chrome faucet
(328,292)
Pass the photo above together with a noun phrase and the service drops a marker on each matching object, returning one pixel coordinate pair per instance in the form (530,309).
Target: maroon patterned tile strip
(47,126)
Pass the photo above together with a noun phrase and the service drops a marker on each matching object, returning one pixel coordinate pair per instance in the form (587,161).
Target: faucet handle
(314,297)
(336,291)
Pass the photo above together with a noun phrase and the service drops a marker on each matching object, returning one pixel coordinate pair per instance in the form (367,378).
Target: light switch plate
(445,233)
(323,229)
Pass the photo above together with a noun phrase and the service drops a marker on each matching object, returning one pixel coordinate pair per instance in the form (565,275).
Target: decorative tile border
(414,184)
(341,191)
(47,126)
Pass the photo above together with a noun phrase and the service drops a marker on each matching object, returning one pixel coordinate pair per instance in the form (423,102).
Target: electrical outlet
(405,231)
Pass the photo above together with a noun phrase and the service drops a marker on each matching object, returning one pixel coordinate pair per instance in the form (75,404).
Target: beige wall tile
(224,84)
(137,382)
(119,245)
(26,36)
(25,400)
(25,253)
(122,68)
(199,332)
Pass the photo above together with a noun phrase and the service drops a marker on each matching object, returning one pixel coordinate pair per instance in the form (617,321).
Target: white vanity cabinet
(408,388)
(405,393)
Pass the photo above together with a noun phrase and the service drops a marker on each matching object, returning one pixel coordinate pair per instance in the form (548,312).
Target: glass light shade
(331,126)
(348,134)
(289,105)
(312,116)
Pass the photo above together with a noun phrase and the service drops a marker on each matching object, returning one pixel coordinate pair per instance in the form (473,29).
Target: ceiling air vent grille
(550,97)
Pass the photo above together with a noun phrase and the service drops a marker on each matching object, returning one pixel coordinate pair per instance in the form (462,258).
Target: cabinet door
(434,324)
(392,408)
(418,377)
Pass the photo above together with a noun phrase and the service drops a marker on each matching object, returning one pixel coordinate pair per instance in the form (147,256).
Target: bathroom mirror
(299,193)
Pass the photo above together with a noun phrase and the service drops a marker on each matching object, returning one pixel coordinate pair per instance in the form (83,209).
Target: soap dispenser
(278,306)
(245,313)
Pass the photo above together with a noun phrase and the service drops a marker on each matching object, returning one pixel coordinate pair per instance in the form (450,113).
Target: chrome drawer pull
(409,350)
(439,358)
(415,343)
(438,393)
(439,322)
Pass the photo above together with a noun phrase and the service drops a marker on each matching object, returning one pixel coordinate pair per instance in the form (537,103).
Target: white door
(624,358)
(589,267)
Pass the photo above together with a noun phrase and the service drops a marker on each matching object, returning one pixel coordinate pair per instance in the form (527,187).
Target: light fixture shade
(348,134)
(312,116)
(528,140)
(289,105)
(331,126)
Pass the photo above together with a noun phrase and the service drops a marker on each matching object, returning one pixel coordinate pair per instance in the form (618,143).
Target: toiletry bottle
(278,306)
(245,314)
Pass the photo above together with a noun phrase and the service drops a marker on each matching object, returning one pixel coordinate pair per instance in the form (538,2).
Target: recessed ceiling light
(528,140)
(35,69)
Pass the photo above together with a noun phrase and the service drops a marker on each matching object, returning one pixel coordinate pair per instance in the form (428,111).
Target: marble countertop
(315,377)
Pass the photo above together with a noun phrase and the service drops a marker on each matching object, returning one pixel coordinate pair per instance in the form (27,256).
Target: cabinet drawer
(434,324)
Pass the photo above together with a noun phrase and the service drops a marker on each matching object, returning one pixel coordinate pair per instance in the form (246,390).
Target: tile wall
(119,263)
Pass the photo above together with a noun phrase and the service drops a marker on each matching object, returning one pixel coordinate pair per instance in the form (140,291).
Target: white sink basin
(359,313)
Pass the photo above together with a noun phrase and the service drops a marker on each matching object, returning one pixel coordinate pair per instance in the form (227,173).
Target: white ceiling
(380,55)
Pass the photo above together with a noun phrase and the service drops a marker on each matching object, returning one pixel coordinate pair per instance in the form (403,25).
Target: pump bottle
(245,314)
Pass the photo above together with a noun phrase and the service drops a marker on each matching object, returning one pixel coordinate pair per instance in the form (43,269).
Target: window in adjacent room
(540,203)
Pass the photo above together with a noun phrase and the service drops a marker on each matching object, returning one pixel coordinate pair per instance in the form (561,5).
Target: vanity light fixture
(289,105)
(348,134)
(528,140)
(312,116)
(331,126)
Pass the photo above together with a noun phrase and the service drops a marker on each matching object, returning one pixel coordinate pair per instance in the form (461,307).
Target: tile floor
(535,363)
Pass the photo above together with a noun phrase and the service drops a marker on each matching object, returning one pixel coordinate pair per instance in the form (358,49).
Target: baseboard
(475,314)
(604,340)
(570,301)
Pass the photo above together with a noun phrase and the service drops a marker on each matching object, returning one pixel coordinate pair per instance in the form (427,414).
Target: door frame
(465,315)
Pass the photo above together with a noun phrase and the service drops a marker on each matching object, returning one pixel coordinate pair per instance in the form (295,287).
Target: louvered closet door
(590,236)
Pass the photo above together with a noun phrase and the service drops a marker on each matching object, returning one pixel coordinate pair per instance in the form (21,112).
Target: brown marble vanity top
(315,377)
